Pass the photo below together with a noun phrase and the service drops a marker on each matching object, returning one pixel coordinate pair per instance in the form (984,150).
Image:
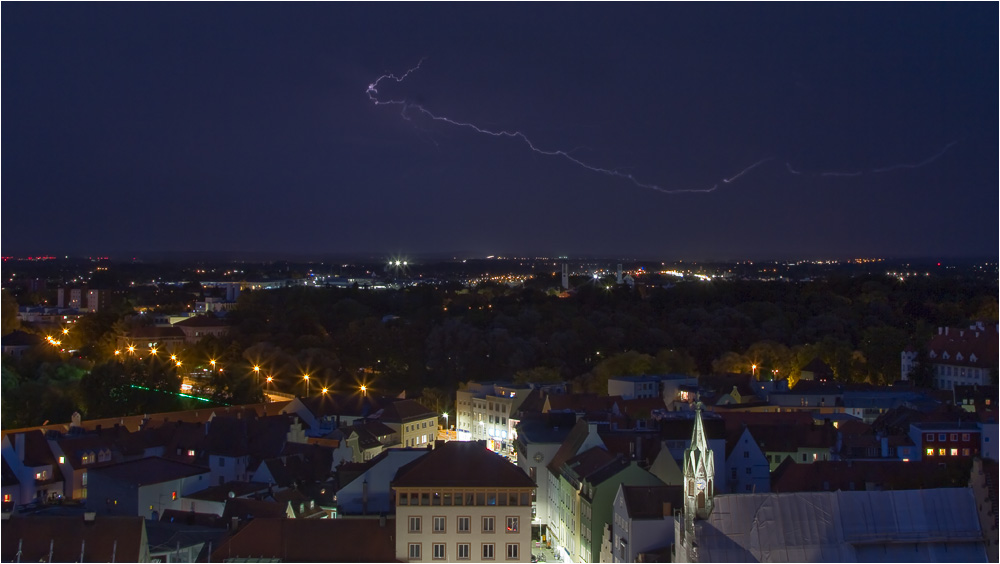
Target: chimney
(235,524)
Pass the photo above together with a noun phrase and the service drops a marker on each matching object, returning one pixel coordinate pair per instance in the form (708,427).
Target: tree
(10,322)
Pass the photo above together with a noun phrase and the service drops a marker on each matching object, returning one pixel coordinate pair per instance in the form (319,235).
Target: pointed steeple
(699,472)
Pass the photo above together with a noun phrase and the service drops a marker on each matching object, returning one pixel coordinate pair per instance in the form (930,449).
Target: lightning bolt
(373,96)
(408,107)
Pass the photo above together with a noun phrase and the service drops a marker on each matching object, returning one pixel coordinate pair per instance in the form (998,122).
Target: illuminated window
(6,498)
(191,452)
(512,523)
(173,496)
(954,452)
(965,452)
(62,460)
(941,452)
(930,452)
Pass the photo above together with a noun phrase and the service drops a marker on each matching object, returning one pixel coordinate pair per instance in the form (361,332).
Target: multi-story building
(486,412)
(461,502)
(643,520)
(413,423)
(946,440)
(633,387)
(959,357)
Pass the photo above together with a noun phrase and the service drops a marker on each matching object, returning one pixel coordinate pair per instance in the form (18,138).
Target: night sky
(132,128)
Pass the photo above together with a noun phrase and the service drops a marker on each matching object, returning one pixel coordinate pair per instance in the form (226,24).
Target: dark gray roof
(152,470)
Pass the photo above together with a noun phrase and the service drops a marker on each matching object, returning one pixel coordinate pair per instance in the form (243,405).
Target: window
(438,551)
(190,452)
(487,551)
(404,499)
(222,462)
(487,525)
(463,551)
(942,437)
(965,452)
(6,498)
(512,551)
(491,498)
(954,452)
(83,478)
(748,469)
(62,460)
(746,454)
(464,524)
(954,436)
(173,496)
(930,452)
(414,525)
(414,551)
(439,524)
(941,451)
(965,436)
(512,524)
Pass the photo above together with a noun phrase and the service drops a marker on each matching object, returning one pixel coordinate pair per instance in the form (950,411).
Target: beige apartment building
(462,502)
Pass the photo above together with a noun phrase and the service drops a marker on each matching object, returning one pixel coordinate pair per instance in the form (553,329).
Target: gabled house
(31,461)
(143,487)
(643,520)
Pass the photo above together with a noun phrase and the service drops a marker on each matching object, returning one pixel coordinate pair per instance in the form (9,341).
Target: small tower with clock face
(699,473)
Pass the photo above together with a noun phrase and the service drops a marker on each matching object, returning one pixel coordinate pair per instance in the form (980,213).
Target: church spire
(699,472)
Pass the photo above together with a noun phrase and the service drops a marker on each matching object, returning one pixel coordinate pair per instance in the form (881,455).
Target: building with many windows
(461,502)
(958,357)
(486,412)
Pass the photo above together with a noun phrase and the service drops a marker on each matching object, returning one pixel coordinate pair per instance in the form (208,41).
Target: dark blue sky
(232,126)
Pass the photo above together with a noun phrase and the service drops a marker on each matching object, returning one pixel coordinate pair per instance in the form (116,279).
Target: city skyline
(709,131)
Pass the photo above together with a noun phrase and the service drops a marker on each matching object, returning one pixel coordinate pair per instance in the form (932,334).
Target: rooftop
(462,464)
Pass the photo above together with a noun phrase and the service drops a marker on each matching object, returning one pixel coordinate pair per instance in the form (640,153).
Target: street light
(306,378)
(256,375)
(754,368)
(364,388)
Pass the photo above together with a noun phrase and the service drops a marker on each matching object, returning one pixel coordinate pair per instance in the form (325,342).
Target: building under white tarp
(933,525)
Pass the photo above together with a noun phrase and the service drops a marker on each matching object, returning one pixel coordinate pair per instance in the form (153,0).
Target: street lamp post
(306,378)
(256,375)
(754,368)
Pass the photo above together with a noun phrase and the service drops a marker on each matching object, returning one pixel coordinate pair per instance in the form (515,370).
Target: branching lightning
(407,107)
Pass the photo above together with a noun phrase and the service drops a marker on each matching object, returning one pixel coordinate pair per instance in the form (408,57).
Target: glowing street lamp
(131,349)
(754,368)
(256,375)
(364,389)
(152,350)
(306,378)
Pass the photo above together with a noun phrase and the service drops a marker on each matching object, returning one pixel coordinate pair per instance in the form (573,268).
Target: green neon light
(179,394)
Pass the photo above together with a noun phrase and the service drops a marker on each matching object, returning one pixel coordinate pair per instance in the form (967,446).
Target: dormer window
(958,356)
(932,354)
(972,357)
(945,355)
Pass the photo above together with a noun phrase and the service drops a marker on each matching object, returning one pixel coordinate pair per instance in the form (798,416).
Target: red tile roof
(313,540)
(102,540)
(462,464)
(982,343)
